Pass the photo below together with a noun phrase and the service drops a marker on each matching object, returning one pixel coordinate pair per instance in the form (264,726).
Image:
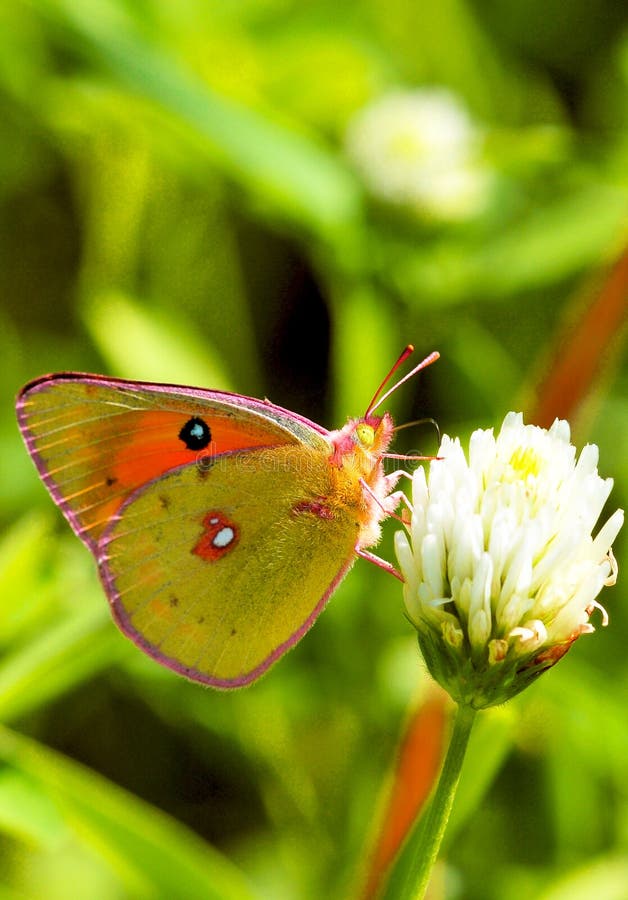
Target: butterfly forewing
(95,441)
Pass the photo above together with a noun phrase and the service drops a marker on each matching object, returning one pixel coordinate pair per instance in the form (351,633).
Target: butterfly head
(362,441)
(368,435)
(358,451)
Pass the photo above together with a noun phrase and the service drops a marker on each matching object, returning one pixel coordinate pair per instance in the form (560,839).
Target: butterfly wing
(95,440)
(203,512)
(238,569)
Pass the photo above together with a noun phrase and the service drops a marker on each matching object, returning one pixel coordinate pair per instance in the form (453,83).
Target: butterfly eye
(195,434)
(365,435)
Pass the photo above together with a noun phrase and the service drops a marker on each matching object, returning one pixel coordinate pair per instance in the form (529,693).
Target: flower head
(501,571)
(420,149)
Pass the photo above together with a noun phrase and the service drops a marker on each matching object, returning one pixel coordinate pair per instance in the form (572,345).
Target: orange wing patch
(95,444)
(154,445)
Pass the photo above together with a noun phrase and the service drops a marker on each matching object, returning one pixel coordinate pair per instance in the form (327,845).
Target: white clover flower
(501,571)
(421,150)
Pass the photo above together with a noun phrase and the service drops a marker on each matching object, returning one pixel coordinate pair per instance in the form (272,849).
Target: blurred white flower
(421,150)
(501,571)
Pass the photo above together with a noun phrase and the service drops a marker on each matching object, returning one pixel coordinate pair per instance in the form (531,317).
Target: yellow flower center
(524,462)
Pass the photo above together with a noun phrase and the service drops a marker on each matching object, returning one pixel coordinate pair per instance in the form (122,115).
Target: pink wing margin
(294,423)
(264,407)
(222,683)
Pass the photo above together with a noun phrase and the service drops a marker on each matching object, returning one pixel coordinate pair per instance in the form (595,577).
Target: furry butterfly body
(220,524)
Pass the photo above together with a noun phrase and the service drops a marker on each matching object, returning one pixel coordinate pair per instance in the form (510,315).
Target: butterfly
(220,524)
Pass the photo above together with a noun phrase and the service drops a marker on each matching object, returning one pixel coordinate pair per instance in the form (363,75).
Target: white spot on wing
(223,537)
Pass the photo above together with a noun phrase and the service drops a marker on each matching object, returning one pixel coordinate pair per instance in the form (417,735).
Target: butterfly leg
(389,504)
(397,497)
(396,475)
(392,499)
(382,563)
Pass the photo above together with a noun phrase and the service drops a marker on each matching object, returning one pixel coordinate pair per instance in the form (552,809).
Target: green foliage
(178,202)
(151,854)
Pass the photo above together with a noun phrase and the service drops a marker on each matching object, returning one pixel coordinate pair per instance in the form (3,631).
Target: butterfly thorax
(357,469)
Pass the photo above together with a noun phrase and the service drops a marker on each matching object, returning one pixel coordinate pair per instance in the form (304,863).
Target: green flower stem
(426,839)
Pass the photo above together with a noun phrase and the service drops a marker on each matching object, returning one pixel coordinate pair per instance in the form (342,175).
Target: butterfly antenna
(426,421)
(402,358)
(406,353)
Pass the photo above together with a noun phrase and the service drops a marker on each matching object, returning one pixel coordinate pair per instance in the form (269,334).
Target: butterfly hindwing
(217,572)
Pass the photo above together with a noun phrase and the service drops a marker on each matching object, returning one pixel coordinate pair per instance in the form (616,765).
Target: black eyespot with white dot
(195,434)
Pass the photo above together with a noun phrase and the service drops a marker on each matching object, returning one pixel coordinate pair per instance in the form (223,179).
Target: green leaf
(605,877)
(498,378)
(557,241)
(62,657)
(24,552)
(152,854)
(293,173)
(147,344)
(366,344)
(27,812)
(553,243)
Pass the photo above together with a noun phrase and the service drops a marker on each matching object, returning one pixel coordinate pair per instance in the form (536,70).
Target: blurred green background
(275,197)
